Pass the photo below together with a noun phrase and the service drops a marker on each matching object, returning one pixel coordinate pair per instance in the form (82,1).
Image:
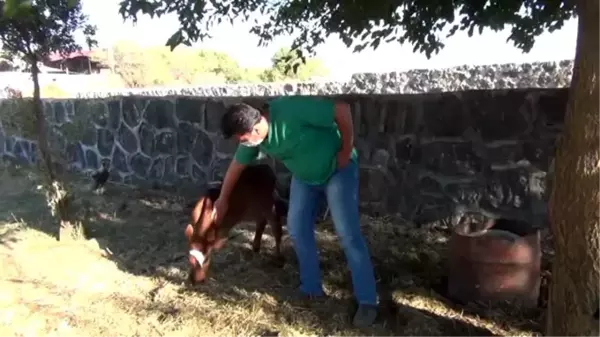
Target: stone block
(504,153)
(451,158)
(12,145)
(21,151)
(166,143)
(203,149)
(99,112)
(157,169)
(539,152)
(373,185)
(371,121)
(508,189)
(2,140)
(76,155)
(214,111)
(105,141)
(218,168)
(183,166)
(48,109)
(499,115)
(380,159)
(190,109)
(114,114)
(169,174)
(119,160)
(444,115)
(224,147)
(407,151)
(186,135)
(145,135)
(160,113)
(34,152)
(60,113)
(91,160)
(430,209)
(467,194)
(90,137)
(133,110)
(127,139)
(429,186)
(140,164)
(552,105)
(198,175)
(401,116)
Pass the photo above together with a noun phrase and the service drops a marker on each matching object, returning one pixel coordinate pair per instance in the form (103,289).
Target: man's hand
(343,157)
(219,210)
(343,119)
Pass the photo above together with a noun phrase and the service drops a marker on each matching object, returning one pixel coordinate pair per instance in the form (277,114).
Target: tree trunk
(41,121)
(574,213)
(57,195)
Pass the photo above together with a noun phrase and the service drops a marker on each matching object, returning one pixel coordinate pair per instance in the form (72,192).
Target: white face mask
(251,144)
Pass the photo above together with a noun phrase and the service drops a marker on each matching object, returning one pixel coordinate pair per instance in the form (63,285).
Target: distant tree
(6,61)
(366,23)
(32,30)
(130,63)
(285,60)
(140,67)
(220,64)
(89,31)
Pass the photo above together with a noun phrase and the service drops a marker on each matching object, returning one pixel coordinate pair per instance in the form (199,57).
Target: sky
(487,48)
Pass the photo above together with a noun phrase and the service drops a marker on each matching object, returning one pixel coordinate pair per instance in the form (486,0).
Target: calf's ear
(189,230)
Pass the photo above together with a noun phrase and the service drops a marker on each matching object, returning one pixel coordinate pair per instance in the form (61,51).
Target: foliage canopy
(360,23)
(34,29)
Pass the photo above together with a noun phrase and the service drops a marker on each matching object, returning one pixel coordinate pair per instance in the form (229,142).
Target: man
(313,138)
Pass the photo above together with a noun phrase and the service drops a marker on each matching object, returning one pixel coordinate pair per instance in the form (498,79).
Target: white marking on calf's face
(198,256)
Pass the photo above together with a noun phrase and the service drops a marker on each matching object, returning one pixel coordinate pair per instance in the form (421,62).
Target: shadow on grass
(21,204)
(142,230)
(151,243)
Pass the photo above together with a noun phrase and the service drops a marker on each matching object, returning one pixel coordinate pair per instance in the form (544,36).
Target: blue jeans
(341,191)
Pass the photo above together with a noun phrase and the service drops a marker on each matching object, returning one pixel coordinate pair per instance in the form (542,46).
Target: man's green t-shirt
(302,135)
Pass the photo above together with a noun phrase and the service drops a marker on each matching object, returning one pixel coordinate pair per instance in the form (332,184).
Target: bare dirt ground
(129,278)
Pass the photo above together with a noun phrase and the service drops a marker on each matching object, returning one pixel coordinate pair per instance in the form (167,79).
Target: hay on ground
(130,278)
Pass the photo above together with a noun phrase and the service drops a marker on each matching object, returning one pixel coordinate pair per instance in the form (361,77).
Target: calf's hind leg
(260,229)
(277,230)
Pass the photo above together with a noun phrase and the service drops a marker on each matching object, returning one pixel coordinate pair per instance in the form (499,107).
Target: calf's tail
(281,205)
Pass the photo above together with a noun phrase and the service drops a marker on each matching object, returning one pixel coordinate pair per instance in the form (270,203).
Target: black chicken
(101,177)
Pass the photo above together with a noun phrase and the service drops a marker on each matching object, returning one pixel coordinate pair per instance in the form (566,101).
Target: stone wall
(479,138)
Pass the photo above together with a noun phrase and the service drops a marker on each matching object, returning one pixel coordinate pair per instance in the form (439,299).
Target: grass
(129,279)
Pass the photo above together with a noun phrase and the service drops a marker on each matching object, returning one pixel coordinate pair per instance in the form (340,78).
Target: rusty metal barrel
(500,261)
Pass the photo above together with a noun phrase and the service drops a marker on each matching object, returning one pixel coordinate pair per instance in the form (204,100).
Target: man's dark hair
(238,119)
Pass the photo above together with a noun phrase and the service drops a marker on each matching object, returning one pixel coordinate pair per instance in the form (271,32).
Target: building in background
(78,62)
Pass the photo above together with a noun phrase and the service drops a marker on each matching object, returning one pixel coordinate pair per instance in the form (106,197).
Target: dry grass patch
(129,280)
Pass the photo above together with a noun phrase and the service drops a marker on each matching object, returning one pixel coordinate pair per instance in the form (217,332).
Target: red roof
(57,57)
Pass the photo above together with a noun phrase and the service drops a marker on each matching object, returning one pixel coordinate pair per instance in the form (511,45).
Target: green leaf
(72,3)
(295,68)
(15,8)
(174,40)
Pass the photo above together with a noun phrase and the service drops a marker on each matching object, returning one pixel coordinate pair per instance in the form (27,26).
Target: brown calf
(253,199)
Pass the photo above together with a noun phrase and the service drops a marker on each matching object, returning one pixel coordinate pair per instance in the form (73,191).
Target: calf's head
(202,237)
